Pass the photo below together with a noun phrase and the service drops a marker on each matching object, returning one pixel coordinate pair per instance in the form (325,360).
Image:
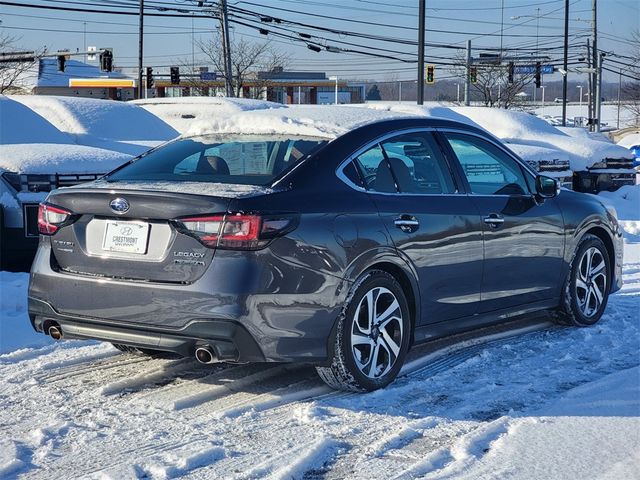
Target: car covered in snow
(183,112)
(37,156)
(335,236)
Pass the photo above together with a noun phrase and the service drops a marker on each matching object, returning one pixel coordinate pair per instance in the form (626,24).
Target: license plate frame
(125,237)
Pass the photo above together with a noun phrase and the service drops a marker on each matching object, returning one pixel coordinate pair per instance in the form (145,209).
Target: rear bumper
(229,341)
(246,307)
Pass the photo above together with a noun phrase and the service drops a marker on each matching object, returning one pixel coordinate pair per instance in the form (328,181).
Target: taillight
(51,218)
(236,231)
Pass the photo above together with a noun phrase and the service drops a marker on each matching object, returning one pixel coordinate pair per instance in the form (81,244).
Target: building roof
(49,76)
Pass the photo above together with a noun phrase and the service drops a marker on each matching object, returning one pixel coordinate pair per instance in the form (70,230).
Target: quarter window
(418,165)
(488,169)
(375,170)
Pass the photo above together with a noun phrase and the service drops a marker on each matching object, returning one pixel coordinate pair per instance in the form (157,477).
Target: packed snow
(536,401)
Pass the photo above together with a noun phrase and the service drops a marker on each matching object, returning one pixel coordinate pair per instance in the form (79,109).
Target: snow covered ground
(536,402)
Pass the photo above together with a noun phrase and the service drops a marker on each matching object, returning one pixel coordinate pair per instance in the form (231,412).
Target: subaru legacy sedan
(340,250)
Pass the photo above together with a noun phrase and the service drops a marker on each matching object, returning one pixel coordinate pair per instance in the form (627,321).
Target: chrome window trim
(340,174)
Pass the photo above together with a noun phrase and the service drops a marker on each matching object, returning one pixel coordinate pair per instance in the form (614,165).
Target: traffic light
(431,74)
(538,75)
(106,61)
(511,71)
(473,74)
(150,81)
(175,75)
(61,61)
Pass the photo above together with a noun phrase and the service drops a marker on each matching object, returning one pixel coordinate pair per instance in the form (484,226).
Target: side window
(351,172)
(418,165)
(488,169)
(376,172)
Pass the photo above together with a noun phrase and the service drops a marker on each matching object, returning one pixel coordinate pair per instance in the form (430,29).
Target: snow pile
(48,158)
(523,133)
(182,112)
(308,120)
(15,329)
(20,125)
(118,126)
(626,201)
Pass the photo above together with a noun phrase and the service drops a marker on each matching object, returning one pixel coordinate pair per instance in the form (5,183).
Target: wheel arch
(409,287)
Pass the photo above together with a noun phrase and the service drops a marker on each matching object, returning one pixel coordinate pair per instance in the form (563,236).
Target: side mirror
(547,187)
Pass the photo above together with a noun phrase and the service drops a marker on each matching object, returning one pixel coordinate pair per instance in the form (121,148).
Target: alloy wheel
(376,332)
(591,282)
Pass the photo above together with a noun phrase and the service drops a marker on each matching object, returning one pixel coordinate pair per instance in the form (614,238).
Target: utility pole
(226,48)
(467,80)
(140,46)
(619,88)
(594,61)
(599,91)
(589,87)
(421,20)
(565,63)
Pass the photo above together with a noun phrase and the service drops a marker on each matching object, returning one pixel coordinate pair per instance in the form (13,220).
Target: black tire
(580,308)
(145,352)
(388,338)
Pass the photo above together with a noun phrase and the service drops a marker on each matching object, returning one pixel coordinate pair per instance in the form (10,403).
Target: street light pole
(580,99)
(335,78)
(542,110)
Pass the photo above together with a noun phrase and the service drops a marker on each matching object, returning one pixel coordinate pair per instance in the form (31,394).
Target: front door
(435,228)
(523,235)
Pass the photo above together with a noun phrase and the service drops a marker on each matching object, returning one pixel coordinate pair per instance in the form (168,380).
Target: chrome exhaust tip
(205,355)
(55,332)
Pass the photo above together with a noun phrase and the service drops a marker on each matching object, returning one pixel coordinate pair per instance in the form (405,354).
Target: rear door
(434,226)
(523,236)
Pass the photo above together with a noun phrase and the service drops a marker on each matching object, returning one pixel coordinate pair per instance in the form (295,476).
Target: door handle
(407,223)
(493,220)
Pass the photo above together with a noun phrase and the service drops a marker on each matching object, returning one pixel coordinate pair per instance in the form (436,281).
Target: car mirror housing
(546,187)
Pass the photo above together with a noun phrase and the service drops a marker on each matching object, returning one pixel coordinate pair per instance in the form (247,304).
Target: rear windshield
(244,160)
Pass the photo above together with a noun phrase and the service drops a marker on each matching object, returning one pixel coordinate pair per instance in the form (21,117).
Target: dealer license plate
(129,237)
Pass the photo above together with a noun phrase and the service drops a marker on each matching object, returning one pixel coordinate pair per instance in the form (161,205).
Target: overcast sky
(173,41)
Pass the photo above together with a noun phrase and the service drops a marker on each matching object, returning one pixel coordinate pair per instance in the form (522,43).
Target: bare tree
(492,83)
(14,69)
(631,89)
(247,59)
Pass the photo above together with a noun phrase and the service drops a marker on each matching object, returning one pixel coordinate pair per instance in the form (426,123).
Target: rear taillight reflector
(51,218)
(235,231)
